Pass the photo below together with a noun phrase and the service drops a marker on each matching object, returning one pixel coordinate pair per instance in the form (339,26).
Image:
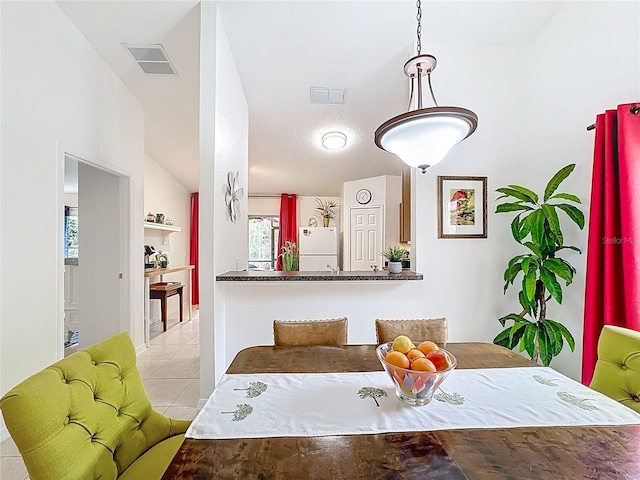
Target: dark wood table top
(496,454)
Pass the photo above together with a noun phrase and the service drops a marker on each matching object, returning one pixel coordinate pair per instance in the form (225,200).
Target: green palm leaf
(529,338)
(532,196)
(566,196)
(555,337)
(511,207)
(512,192)
(574,214)
(558,267)
(565,333)
(529,283)
(515,228)
(543,344)
(551,283)
(554,224)
(557,179)
(537,227)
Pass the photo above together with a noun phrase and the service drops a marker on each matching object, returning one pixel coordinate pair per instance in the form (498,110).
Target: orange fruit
(427,347)
(397,359)
(413,354)
(423,365)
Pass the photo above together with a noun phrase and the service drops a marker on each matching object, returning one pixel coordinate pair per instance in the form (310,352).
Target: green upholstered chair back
(617,372)
(85,417)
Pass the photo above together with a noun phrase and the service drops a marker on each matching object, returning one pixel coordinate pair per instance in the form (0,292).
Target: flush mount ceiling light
(334,140)
(424,136)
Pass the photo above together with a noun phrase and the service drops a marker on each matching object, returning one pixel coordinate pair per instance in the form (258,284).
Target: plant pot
(325,221)
(395,267)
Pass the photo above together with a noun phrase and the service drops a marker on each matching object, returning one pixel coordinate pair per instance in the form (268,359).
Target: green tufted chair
(88,417)
(617,372)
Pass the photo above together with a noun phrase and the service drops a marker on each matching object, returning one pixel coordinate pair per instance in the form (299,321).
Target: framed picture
(462,207)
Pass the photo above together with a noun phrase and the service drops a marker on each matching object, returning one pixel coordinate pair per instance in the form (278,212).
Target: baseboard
(140,349)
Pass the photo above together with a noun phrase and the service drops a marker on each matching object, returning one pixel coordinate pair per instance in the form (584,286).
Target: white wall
(573,75)
(533,104)
(164,194)
(58,95)
(463,278)
(305,208)
(267,206)
(224,124)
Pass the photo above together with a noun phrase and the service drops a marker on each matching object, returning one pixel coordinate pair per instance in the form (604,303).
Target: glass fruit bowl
(412,386)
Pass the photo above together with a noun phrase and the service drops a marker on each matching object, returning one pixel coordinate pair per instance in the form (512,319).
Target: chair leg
(180,295)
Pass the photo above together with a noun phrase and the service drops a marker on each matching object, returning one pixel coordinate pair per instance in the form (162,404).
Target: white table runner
(314,404)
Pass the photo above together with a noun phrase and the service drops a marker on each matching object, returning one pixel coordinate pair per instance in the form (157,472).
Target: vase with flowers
(327,209)
(290,257)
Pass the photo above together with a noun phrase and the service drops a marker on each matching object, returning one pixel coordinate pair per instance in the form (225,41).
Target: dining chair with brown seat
(310,332)
(434,329)
(617,372)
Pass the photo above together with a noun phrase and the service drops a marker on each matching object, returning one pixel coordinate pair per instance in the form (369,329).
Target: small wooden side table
(163,290)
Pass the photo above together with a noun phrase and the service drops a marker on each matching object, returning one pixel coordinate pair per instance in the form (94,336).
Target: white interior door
(99,254)
(365,238)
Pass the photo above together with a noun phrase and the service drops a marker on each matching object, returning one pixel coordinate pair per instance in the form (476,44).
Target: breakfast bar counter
(320,276)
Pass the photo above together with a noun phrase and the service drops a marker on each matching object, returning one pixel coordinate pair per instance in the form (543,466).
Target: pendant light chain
(419,29)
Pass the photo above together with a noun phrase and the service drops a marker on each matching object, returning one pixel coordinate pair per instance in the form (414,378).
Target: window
(70,232)
(263,242)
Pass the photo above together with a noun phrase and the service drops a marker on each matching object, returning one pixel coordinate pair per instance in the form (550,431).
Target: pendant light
(424,136)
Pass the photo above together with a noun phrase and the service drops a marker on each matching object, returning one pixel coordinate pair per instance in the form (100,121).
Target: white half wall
(58,95)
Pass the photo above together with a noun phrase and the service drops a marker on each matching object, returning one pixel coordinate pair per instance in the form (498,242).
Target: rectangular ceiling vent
(153,60)
(334,96)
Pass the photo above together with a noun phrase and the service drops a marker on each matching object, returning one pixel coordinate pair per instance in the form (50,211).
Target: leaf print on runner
(254,389)
(576,402)
(241,412)
(450,398)
(371,392)
(544,381)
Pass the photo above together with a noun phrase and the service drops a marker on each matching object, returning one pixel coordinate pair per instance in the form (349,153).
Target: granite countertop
(271,276)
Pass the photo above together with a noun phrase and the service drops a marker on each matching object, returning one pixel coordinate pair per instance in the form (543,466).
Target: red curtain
(612,295)
(288,223)
(193,251)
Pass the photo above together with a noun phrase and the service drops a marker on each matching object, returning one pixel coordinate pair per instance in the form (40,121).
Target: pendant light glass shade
(423,137)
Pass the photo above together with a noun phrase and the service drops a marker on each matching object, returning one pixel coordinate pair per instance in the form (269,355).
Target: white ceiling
(281,49)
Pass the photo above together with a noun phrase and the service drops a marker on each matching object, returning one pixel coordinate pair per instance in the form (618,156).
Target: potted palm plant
(395,255)
(537,228)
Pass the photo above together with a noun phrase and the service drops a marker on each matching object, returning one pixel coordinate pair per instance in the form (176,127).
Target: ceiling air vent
(152,59)
(333,96)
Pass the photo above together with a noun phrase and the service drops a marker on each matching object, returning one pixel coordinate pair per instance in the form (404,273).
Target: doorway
(365,238)
(96,289)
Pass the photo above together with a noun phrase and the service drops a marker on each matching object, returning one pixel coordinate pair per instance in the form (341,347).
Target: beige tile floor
(170,369)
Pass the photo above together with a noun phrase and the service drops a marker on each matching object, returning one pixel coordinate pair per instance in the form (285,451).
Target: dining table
(518,452)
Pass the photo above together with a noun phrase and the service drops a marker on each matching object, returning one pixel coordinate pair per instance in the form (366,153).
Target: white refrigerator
(318,247)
